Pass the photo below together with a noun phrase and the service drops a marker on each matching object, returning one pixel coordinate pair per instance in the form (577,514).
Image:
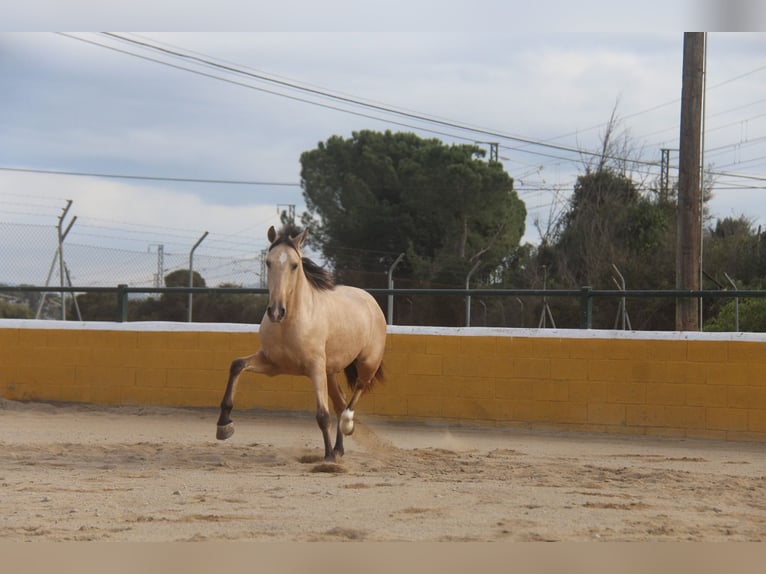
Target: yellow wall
(700,386)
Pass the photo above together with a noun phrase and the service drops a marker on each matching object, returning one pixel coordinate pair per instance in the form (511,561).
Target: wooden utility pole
(689,227)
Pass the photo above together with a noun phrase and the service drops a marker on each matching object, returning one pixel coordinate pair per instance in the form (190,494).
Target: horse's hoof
(224,431)
(347,422)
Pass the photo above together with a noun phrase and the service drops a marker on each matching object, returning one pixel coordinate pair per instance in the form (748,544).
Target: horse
(314,328)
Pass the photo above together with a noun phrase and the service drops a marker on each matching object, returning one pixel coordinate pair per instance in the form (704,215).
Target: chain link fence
(29,255)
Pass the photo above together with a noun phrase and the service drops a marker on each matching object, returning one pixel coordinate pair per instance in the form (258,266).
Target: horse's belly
(339,358)
(349,325)
(361,334)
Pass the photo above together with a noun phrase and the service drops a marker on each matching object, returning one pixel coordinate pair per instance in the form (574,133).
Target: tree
(175,306)
(733,246)
(375,195)
(612,219)
(229,308)
(97,306)
(208,307)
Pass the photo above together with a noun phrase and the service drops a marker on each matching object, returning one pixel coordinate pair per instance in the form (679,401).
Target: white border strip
(579,333)
(163,326)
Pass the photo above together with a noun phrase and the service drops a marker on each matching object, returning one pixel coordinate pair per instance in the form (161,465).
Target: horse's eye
(268,264)
(294,266)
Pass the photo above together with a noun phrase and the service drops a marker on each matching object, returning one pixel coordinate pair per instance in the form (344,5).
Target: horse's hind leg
(257,363)
(339,404)
(365,376)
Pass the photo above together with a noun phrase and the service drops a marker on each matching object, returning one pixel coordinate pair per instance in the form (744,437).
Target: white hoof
(347,422)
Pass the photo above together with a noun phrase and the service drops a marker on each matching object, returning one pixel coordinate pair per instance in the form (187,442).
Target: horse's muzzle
(276,313)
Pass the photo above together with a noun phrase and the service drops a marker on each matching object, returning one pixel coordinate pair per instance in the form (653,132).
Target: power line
(350,100)
(292,84)
(326,94)
(150,177)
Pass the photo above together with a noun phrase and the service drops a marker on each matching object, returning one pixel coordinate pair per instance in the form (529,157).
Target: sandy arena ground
(81,473)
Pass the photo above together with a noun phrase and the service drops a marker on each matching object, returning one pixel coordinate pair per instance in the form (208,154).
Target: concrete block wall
(670,384)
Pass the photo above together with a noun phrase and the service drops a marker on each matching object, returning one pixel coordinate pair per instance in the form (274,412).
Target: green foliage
(175,306)
(15,310)
(207,307)
(610,223)
(96,307)
(180,278)
(733,247)
(752,317)
(376,195)
(229,308)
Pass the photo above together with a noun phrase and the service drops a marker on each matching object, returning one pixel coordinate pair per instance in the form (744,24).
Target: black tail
(352,375)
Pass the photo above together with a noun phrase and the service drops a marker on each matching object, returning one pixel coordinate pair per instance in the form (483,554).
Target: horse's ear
(298,241)
(272,234)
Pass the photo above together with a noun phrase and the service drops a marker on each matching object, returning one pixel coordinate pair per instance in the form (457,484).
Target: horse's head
(284,266)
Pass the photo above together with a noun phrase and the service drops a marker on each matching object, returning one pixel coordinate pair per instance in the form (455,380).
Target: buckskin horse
(314,328)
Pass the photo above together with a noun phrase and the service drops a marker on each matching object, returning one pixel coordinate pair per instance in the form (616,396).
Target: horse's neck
(304,298)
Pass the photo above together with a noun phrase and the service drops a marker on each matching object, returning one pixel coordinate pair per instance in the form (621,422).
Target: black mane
(318,277)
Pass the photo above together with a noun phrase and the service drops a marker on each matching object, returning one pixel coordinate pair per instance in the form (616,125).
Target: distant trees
(18,304)
(752,316)
(609,227)
(376,195)
(733,247)
(608,220)
(13,309)
(389,193)
(207,307)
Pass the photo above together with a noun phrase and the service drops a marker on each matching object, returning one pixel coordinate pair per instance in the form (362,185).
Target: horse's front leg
(319,380)
(339,403)
(256,363)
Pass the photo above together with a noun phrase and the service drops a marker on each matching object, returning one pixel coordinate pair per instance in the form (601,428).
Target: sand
(91,473)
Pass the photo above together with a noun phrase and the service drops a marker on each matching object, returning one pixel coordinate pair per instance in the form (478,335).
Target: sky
(211,141)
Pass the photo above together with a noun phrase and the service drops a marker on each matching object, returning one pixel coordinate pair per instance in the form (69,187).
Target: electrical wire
(150,177)
(348,100)
(326,94)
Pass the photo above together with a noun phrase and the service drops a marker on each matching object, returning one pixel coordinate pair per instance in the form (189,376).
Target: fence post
(390,298)
(191,274)
(122,303)
(586,308)
(468,296)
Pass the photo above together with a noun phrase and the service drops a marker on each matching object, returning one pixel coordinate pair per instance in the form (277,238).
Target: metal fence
(584,296)
(34,260)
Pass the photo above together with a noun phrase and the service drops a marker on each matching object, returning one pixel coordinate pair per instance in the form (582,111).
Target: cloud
(78,107)
(141,204)
(117,220)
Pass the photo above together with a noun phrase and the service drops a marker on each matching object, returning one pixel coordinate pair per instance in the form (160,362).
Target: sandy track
(74,472)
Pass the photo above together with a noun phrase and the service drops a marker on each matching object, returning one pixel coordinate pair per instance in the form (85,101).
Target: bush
(10,310)
(752,317)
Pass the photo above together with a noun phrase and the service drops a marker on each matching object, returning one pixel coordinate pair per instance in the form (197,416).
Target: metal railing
(585,295)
